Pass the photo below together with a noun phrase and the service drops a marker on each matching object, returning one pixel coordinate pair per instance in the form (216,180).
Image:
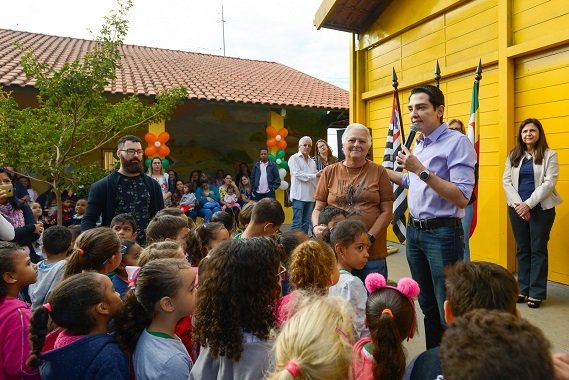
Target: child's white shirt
(352,289)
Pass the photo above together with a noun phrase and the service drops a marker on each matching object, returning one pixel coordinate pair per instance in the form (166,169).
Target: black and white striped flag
(392,147)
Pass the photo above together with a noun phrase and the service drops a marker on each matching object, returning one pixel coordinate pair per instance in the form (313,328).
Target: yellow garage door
(542,92)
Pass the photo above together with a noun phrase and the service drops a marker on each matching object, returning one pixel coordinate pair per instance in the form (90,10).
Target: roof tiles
(147,71)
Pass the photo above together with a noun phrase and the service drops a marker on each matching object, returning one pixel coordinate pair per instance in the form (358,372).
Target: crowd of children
(227,301)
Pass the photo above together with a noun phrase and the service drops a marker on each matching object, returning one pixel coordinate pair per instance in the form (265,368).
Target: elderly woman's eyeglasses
(132,152)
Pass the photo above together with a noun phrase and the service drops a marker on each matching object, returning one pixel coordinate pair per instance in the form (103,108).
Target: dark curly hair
(239,287)
(71,302)
(157,279)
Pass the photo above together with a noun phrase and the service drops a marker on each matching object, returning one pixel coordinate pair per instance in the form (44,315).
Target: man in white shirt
(265,178)
(304,178)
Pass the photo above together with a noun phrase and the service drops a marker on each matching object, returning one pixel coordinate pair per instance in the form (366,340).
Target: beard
(132,166)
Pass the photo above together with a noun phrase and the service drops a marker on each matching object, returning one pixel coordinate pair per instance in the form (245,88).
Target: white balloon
(278,161)
(284,185)
(282,173)
(278,137)
(157,144)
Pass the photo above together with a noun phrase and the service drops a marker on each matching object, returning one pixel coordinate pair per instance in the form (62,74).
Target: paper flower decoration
(157,145)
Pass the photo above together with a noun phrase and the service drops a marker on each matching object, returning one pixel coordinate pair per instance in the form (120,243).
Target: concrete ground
(552,317)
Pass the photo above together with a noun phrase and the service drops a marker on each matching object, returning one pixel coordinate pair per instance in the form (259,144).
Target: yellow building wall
(524,48)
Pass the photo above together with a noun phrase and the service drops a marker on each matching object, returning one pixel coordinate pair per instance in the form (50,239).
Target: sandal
(534,304)
(522,298)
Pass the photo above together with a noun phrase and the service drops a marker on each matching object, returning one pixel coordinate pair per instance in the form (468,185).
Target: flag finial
(478,75)
(394,81)
(437,73)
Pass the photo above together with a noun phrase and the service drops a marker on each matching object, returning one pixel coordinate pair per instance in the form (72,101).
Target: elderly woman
(323,155)
(303,179)
(361,188)
(529,182)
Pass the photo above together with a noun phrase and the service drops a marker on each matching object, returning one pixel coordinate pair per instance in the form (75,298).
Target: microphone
(412,132)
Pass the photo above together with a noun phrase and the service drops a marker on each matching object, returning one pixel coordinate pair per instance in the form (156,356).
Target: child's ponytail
(69,306)
(388,355)
(390,314)
(38,332)
(130,322)
(92,250)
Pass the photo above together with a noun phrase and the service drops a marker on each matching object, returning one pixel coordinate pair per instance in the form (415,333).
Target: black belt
(429,224)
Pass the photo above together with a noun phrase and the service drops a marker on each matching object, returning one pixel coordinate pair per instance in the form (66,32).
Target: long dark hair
(388,331)
(157,279)
(71,303)
(541,146)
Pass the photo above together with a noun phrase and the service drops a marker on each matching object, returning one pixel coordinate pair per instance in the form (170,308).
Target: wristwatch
(425,174)
(371,238)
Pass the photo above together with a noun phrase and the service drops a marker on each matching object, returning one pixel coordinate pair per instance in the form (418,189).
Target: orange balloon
(281,144)
(150,138)
(271,131)
(150,151)
(163,137)
(163,151)
(283,132)
(271,142)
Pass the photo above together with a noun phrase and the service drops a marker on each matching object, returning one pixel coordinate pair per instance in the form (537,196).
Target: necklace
(351,188)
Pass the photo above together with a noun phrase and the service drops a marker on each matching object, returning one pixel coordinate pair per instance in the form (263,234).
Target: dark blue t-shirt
(526,184)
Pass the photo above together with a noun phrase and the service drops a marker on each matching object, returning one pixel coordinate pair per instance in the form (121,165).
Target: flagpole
(437,74)
(395,84)
(474,137)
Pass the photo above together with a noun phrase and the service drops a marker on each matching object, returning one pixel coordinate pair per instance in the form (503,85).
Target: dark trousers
(429,251)
(258,196)
(531,248)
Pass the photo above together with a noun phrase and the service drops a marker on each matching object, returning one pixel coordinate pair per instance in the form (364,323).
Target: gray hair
(304,139)
(357,126)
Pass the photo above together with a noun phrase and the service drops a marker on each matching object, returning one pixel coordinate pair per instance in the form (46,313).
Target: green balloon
(165,164)
(272,157)
(284,164)
(281,153)
(147,162)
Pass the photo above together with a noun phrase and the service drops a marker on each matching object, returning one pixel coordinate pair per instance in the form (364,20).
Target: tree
(74,116)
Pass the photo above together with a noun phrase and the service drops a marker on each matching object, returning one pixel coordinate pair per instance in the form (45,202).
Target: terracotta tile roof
(147,71)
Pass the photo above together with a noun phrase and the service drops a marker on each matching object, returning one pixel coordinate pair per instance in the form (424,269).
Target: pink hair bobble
(132,274)
(406,286)
(409,287)
(47,306)
(375,281)
(293,368)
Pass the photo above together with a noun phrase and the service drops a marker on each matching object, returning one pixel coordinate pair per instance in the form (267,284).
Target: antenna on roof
(223,27)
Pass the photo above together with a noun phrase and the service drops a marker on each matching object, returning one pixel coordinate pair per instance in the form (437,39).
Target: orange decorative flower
(157,145)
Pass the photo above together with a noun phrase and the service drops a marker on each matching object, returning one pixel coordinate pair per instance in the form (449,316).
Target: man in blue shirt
(440,179)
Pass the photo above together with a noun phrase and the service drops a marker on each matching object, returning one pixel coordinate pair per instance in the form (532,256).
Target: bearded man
(127,190)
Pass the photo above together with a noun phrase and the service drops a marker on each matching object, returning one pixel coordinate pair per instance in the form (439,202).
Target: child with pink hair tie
(390,317)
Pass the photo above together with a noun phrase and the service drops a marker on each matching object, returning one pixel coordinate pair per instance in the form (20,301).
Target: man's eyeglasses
(132,152)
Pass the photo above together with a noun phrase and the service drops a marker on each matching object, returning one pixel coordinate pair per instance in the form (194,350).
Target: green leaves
(74,119)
